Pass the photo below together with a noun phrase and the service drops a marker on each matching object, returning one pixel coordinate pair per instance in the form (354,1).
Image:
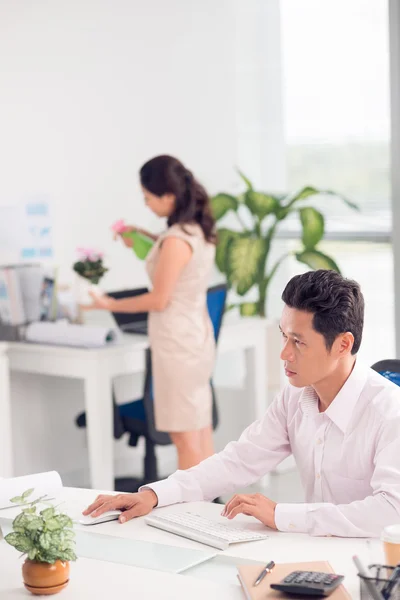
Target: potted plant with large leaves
(48,542)
(243,254)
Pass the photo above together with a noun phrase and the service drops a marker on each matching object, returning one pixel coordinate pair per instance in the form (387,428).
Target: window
(336,98)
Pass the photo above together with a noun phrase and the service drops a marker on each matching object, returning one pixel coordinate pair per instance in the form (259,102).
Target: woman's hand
(127,240)
(99,302)
(131,505)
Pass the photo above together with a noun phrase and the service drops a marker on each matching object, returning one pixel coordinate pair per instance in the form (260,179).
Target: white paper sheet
(43,483)
(66,334)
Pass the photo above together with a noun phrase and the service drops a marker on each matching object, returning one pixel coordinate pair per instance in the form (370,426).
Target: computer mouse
(111,515)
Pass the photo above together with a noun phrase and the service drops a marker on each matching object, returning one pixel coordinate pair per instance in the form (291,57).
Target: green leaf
(26,494)
(45,540)
(304,193)
(19,541)
(68,555)
(65,521)
(249,309)
(348,202)
(309,190)
(32,553)
(223,203)
(17,500)
(48,558)
(53,524)
(246,258)
(247,181)
(34,523)
(48,513)
(224,236)
(313,225)
(317,260)
(29,511)
(20,522)
(260,204)
(58,522)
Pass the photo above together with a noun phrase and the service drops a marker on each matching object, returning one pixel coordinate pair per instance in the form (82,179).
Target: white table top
(104,580)
(280,547)
(233,330)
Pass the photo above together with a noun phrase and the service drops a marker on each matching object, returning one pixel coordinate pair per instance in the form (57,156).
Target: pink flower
(89,254)
(119,226)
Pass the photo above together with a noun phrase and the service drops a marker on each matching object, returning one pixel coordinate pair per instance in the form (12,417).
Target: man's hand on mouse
(131,505)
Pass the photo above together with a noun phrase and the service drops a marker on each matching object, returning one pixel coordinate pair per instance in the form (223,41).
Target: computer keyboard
(197,528)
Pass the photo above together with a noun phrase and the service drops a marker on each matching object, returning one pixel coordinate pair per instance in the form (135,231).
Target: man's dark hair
(336,303)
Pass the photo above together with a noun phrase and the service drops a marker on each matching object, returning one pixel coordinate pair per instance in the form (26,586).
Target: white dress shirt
(348,458)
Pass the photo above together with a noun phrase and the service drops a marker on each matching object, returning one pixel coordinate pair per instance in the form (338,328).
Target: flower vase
(82,297)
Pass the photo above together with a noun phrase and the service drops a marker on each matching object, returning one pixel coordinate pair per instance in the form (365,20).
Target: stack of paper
(66,334)
(49,484)
(21,294)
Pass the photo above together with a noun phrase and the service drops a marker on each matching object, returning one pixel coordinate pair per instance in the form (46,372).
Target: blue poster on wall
(38,244)
(26,231)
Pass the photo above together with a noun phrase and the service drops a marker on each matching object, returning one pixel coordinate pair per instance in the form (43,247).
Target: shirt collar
(342,406)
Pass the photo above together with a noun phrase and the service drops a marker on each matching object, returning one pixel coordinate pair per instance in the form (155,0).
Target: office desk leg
(257,382)
(6,466)
(99,413)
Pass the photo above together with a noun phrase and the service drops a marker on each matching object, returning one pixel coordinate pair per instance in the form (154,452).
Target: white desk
(104,580)
(280,547)
(98,368)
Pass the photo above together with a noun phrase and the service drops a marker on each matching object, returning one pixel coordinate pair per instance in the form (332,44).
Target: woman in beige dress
(180,330)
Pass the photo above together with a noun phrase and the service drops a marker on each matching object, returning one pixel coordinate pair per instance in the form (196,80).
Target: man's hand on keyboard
(254,505)
(132,505)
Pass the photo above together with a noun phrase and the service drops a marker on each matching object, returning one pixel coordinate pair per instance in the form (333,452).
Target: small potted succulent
(90,269)
(47,540)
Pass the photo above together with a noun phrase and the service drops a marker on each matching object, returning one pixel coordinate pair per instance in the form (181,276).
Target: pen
(373,590)
(267,569)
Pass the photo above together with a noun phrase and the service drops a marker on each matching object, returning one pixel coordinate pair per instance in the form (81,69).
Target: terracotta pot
(45,579)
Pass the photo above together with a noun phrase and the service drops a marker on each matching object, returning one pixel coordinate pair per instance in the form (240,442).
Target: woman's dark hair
(167,175)
(336,303)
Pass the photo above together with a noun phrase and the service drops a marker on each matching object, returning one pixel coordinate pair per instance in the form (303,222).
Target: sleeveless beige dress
(182,339)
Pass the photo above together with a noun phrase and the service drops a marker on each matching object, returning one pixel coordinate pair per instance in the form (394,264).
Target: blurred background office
(293,92)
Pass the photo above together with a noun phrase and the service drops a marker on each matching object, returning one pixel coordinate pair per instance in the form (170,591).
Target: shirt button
(318,476)
(319,441)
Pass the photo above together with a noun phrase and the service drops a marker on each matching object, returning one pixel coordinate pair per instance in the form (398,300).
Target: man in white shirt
(339,419)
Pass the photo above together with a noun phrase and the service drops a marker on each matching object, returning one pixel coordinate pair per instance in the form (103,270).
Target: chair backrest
(216,301)
(389,368)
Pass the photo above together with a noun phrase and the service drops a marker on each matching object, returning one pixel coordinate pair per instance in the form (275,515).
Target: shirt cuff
(167,491)
(291,517)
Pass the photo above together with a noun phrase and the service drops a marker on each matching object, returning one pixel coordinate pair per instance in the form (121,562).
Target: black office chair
(137,417)
(389,368)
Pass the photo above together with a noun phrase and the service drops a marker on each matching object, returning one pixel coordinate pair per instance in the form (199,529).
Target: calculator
(308,583)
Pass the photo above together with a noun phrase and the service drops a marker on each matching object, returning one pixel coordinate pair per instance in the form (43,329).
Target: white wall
(261,151)
(89,90)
